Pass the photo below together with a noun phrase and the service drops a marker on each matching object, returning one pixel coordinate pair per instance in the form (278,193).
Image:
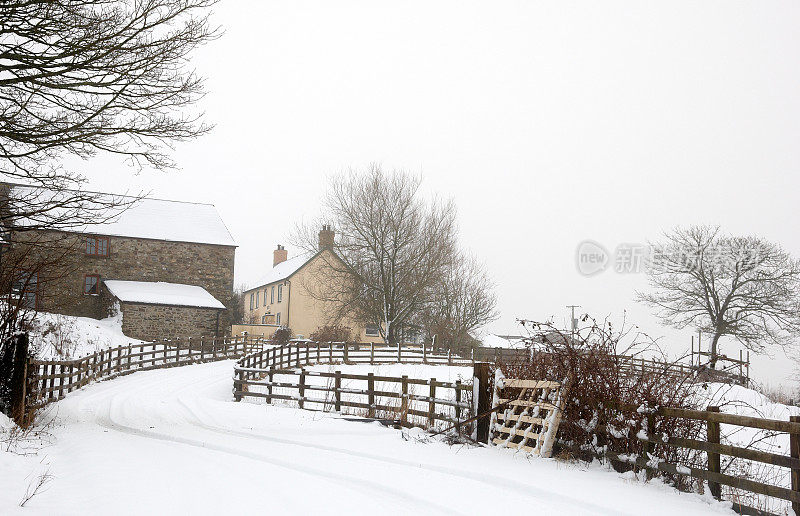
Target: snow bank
(5,422)
(735,399)
(57,336)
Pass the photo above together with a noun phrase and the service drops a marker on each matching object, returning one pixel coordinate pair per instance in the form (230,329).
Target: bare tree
(78,78)
(463,302)
(82,76)
(236,305)
(391,253)
(741,287)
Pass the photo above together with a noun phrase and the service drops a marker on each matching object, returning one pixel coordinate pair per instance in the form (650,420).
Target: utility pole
(573,321)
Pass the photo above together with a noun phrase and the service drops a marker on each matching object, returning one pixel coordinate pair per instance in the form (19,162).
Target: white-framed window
(265,297)
(272,296)
(258,296)
(251,301)
(278,315)
(372,330)
(280,293)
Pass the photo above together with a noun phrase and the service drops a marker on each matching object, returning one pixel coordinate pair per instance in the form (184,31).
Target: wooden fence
(629,364)
(51,380)
(279,373)
(710,469)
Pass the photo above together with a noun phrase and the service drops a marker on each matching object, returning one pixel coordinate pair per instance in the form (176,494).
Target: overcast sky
(547,123)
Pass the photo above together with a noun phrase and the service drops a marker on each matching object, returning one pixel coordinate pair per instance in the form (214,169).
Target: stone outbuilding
(159,310)
(147,244)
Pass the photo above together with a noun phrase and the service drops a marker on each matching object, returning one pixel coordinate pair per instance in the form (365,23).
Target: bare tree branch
(740,287)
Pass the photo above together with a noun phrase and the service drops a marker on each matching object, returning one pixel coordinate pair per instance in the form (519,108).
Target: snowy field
(173,441)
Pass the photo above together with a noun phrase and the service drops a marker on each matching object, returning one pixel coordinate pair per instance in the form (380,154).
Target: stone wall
(135,259)
(157,322)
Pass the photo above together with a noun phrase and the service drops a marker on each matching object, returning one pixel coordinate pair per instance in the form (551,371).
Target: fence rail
(51,380)
(628,364)
(713,473)
(279,373)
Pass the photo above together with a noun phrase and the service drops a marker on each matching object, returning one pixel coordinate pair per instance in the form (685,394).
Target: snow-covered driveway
(173,441)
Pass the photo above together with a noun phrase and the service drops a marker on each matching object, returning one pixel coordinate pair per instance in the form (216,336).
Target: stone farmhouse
(167,265)
(284,296)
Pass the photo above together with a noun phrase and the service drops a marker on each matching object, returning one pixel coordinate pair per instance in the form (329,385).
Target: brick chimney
(326,237)
(279,255)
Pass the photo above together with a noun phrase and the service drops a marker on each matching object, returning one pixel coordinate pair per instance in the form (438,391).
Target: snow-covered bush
(282,335)
(597,415)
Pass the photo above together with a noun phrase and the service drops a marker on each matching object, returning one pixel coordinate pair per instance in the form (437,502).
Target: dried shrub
(612,397)
(332,333)
(282,335)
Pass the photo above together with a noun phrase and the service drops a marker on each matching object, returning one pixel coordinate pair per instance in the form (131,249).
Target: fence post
(238,386)
(371,352)
(202,349)
(345,352)
(330,352)
(94,363)
(52,390)
(424,353)
(449,357)
(404,401)
(650,447)
(302,388)
(712,432)
(269,387)
(794,445)
(318,353)
(371,394)
(399,352)
(432,404)
(481,400)
(458,406)
(19,379)
(337,386)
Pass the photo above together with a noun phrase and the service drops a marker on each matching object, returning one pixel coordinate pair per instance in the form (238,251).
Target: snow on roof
(156,219)
(281,271)
(161,293)
(503,341)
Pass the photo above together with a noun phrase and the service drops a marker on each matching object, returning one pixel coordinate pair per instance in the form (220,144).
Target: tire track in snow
(114,398)
(490,480)
(107,420)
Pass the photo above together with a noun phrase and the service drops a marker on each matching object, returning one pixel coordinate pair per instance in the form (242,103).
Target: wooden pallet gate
(530,422)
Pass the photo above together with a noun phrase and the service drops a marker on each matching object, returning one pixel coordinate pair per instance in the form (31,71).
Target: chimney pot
(326,237)
(279,255)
